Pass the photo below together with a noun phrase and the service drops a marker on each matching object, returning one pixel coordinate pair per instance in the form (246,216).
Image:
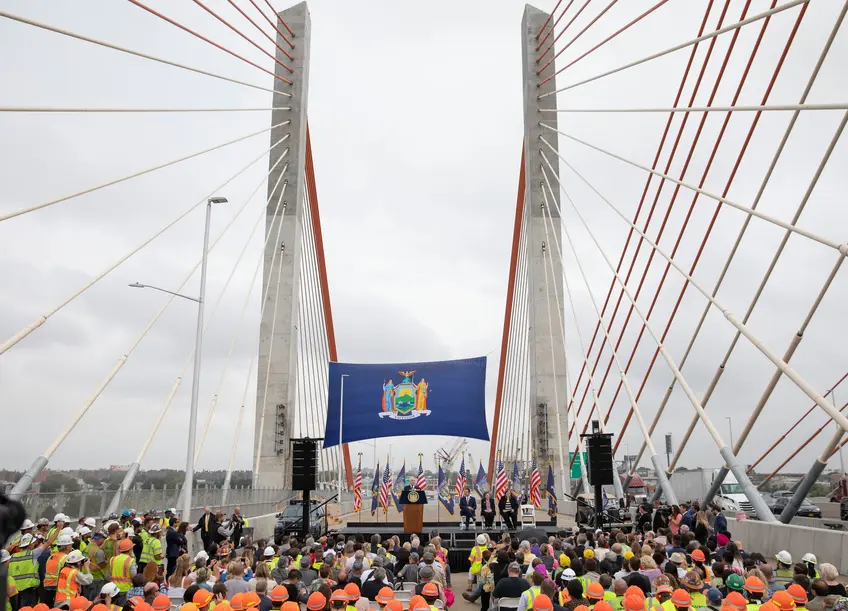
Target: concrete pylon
(278,354)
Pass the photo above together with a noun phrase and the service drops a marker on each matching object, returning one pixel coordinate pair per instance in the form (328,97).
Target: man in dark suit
(207,527)
(467,508)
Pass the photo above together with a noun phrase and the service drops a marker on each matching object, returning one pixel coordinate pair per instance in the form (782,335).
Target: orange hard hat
(768,606)
(80,602)
(394,605)
(40,607)
(279,594)
(125,545)
(634,591)
(595,591)
(430,589)
(315,602)
(143,606)
(581,608)
(633,603)
(293,606)
(798,593)
(338,596)
(161,602)
(189,607)
(352,591)
(543,602)
(237,602)
(201,598)
(223,606)
(755,584)
(602,606)
(97,607)
(135,601)
(681,598)
(417,603)
(783,600)
(735,601)
(386,594)
(251,599)
(665,589)
(698,555)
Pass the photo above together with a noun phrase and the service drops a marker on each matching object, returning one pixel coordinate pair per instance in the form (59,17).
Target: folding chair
(508,603)
(409,586)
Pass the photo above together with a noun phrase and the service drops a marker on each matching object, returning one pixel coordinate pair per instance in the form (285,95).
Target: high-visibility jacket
(699,601)
(317,565)
(84,546)
(532,593)
(584,581)
(609,596)
(11,590)
(476,558)
(69,587)
(54,565)
(273,562)
(110,548)
(91,553)
(150,550)
(24,570)
(119,571)
(144,536)
(615,603)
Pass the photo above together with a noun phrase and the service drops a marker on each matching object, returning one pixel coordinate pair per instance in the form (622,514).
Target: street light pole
(730,426)
(341,416)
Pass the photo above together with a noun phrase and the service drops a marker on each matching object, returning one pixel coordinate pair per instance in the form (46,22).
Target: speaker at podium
(412,503)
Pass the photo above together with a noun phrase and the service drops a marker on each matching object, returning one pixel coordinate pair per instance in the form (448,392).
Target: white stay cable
(108,45)
(263,214)
(663,480)
(79,109)
(517,395)
(505,432)
(281,247)
(64,198)
(12,341)
(793,375)
(743,229)
(24,483)
(176,385)
(689,43)
(842,248)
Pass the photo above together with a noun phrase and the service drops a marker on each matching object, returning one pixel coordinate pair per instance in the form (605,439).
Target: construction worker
(151,550)
(476,559)
(699,560)
(72,577)
(783,600)
(681,599)
(756,590)
(203,598)
(11,588)
(23,570)
(27,528)
(430,593)
(799,596)
(783,573)
(122,568)
(98,565)
(595,593)
(810,562)
(237,602)
(315,602)
(385,595)
(271,558)
(693,583)
(85,539)
(543,602)
(734,601)
(161,603)
(60,520)
(417,603)
(528,596)
(633,602)
(353,594)
(251,601)
(664,594)
(108,594)
(279,595)
(55,563)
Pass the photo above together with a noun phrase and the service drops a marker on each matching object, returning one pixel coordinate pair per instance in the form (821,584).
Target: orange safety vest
(68,586)
(54,565)
(119,571)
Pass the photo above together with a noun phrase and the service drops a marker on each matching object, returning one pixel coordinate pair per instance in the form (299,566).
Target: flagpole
(360,487)
(341,415)
(438,490)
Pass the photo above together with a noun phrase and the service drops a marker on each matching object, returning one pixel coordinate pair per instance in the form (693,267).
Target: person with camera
(73,576)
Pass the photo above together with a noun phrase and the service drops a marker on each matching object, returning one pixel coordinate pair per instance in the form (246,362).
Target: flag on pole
(535,485)
(460,478)
(384,489)
(551,490)
(375,487)
(400,480)
(516,480)
(421,482)
(500,481)
(481,483)
(444,495)
(357,488)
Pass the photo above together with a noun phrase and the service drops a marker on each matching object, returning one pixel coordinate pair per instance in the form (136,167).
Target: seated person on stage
(508,506)
(487,509)
(467,508)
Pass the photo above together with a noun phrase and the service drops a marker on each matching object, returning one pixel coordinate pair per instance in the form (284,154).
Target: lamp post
(198,344)
(730,426)
(341,416)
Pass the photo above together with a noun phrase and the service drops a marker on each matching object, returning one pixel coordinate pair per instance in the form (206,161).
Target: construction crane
(448,454)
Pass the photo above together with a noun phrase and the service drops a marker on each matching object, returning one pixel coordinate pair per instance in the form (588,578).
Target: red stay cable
(240,33)
(547,21)
(579,34)
(203,38)
(256,25)
(283,21)
(567,25)
(273,25)
(555,24)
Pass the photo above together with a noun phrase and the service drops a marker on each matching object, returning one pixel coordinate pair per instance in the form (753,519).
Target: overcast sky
(416,119)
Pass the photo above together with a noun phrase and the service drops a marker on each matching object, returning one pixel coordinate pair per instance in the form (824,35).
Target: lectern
(412,501)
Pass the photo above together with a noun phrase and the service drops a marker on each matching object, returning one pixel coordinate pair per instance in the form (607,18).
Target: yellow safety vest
(24,570)
(54,566)
(532,593)
(668,606)
(90,553)
(11,590)
(119,572)
(152,548)
(584,581)
(476,558)
(608,596)
(698,600)
(616,601)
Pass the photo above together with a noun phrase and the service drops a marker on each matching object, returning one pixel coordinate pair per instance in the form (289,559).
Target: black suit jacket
(508,498)
(467,506)
(206,527)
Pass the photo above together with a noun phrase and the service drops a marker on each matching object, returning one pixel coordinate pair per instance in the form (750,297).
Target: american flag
(384,489)
(460,478)
(535,484)
(357,488)
(421,482)
(500,481)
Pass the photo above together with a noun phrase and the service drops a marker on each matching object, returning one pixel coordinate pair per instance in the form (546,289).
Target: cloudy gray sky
(416,121)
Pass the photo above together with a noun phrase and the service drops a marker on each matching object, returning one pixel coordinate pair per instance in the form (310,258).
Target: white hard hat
(784,557)
(481,539)
(26,540)
(269,551)
(27,524)
(59,517)
(64,540)
(155,528)
(110,589)
(90,522)
(811,558)
(4,556)
(67,531)
(201,555)
(85,530)
(129,532)
(74,557)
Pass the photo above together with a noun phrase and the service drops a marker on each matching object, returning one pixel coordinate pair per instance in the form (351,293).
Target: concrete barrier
(828,545)
(263,525)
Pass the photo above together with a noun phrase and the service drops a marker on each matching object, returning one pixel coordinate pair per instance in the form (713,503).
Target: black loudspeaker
(304,463)
(599,455)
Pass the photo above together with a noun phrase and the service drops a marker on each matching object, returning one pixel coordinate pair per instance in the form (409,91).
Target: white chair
(409,586)
(404,595)
(508,603)
(439,604)
(527,515)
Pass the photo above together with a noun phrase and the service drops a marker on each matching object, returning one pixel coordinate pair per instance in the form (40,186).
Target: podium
(412,501)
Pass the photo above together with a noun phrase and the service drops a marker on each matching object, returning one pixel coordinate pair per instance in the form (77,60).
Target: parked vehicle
(843,508)
(840,489)
(693,485)
(289,521)
(805,510)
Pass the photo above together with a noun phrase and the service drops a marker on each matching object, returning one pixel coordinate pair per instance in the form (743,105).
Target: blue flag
(516,481)
(398,487)
(550,489)
(437,398)
(445,497)
(481,482)
(375,487)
